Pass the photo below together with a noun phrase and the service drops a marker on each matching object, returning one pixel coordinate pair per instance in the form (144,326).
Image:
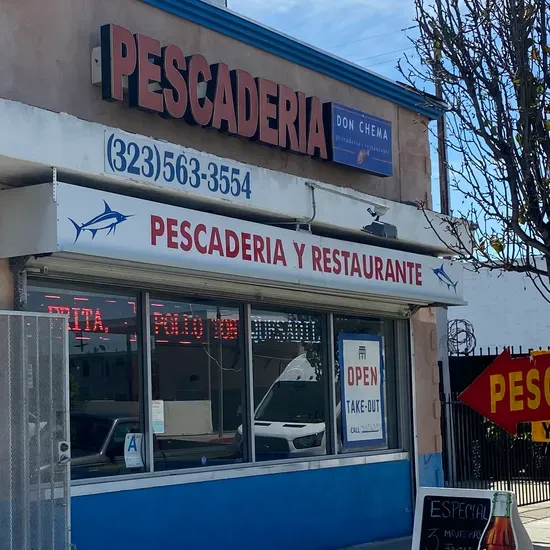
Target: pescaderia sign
(164,80)
(97,223)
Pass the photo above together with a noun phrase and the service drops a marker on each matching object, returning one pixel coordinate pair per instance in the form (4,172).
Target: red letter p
(118,59)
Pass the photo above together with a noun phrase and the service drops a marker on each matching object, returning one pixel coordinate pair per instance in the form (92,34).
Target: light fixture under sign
(381,229)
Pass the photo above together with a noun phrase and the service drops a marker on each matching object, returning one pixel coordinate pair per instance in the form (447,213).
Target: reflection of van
(290,419)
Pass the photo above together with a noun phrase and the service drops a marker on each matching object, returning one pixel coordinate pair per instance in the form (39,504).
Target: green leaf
(496,244)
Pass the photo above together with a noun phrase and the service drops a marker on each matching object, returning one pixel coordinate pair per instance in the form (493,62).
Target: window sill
(179,477)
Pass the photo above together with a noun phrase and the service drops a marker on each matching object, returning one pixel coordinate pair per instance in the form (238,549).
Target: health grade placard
(362,388)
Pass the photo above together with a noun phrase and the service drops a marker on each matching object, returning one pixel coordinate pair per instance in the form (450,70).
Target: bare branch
(491,58)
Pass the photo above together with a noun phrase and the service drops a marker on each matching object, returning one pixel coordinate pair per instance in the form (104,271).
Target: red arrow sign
(511,391)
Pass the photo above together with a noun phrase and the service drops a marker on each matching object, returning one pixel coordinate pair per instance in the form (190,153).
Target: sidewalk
(393,544)
(536,519)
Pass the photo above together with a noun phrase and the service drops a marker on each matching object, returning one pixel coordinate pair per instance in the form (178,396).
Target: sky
(370,33)
(351,31)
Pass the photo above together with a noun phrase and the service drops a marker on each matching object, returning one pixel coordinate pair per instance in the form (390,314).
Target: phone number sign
(161,163)
(362,390)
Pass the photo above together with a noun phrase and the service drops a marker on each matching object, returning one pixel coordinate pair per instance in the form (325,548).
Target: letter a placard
(132,450)
(513,391)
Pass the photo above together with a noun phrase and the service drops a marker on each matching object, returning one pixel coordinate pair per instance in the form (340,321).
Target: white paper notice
(157,414)
(132,450)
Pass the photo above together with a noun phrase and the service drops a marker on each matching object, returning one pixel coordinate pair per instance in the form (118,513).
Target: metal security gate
(34,432)
(480,455)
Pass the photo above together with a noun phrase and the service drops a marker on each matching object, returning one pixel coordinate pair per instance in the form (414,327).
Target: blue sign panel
(359,139)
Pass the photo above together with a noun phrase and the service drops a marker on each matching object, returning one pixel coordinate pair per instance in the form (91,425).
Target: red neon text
(81,319)
(178,324)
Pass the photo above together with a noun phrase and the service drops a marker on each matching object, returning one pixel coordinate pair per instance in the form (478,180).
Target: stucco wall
(428,407)
(45,50)
(45,59)
(512,298)
(6,285)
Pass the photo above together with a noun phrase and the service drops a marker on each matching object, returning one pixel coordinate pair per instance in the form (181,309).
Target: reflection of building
(195,266)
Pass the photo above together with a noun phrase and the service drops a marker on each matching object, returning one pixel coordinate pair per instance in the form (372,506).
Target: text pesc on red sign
(235,102)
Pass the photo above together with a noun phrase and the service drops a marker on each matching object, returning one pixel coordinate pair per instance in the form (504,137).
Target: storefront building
(227,218)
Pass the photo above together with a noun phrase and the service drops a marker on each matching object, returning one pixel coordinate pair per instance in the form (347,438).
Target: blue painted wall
(430,470)
(314,510)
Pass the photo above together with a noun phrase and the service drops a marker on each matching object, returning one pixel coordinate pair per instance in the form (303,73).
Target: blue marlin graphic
(109,219)
(444,278)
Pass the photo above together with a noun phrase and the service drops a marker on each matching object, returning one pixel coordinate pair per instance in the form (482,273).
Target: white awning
(88,153)
(62,218)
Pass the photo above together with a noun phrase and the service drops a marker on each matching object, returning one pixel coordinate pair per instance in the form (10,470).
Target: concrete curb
(404,543)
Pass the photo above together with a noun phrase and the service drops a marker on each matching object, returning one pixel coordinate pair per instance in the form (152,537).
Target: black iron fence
(479,455)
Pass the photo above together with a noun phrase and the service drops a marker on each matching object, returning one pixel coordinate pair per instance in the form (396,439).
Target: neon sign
(81,319)
(264,329)
(191,326)
(195,328)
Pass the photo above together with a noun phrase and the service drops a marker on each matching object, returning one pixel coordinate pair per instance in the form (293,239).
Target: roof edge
(233,25)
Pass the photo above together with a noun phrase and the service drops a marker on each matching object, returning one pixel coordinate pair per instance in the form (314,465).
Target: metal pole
(145,404)
(331,417)
(208,334)
(444,189)
(441,313)
(249,446)
(220,395)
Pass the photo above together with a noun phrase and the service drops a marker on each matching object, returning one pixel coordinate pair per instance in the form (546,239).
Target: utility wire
(372,37)
(390,60)
(382,54)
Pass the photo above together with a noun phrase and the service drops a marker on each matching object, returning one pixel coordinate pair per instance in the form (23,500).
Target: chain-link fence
(34,475)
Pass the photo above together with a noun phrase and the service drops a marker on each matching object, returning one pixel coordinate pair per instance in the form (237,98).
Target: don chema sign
(165,80)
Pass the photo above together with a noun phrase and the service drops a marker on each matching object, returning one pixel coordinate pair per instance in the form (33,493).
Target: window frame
(404,377)
(325,345)
(148,403)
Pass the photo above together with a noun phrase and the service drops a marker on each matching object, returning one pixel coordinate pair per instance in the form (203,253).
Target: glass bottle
(499,534)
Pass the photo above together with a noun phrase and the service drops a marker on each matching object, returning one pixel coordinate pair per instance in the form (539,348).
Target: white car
(290,419)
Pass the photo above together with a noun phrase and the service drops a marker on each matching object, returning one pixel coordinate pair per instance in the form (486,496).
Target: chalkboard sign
(459,519)
(453,522)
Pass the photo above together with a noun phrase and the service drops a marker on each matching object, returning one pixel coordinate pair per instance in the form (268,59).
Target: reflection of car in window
(97,444)
(290,419)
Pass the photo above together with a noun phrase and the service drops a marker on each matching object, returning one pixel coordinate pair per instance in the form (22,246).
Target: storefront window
(198,384)
(104,377)
(366,384)
(289,388)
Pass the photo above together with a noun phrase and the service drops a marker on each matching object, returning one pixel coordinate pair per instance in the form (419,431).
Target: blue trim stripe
(240,28)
